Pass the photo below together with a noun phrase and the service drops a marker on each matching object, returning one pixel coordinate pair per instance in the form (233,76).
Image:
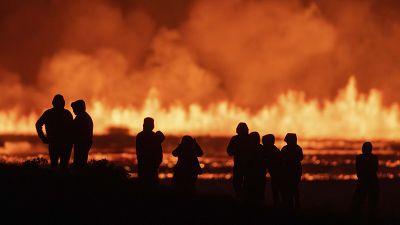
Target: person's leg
(65,155)
(373,199)
(358,199)
(78,155)
(237,181)
(85,154)
(275,191)
(296,196)
(53,155)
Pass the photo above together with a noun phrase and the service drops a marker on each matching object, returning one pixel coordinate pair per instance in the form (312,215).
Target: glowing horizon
(350,115)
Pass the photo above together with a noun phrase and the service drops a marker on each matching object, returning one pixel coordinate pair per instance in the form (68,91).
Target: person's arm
(177,151)
(139,148)
(301,156)
(376,164)
(230,149)
(39,128)
(197,148)
(358,167)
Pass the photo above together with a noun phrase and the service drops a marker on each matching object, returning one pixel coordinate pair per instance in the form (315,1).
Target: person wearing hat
(57,122)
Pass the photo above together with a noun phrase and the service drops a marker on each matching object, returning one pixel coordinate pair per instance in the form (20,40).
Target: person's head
(160,136)
(242,129)
(367,148)
(291,139)
(78,107)
(58,101)
(268,139)
(254,137)
(187,140)
(148,124)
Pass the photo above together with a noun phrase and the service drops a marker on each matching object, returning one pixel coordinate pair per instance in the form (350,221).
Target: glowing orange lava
(350,115)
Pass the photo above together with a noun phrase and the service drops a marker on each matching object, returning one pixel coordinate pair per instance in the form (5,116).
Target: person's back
(367,183)
(58,124)
(272,155)
(273,161)
(255,170)
(291,155)
(367,167)
(187,167)
(148,152)
(83,128)
(148,149)
(238,148)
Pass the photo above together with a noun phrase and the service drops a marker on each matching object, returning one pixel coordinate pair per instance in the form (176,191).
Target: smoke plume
(200,51)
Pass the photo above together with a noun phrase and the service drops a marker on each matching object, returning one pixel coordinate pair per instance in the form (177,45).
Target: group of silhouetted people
(252,161)
(253,158)
(149,157)
(63,132)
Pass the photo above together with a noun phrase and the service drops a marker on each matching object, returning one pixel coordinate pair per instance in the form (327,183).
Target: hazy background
(195,51)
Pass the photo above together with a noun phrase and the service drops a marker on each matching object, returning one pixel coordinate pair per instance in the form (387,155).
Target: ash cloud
(200,51)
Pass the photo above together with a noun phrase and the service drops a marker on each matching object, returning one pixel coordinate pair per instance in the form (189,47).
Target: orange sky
(247,53)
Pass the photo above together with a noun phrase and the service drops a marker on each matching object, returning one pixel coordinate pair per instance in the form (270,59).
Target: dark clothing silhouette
(255,170)
(291,155)
(57,122)
(238,148)
(273,162)
(367,183)
(187,167)
(149,153)
(82,137)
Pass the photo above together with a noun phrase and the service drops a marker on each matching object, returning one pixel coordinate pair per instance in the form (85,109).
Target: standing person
(149,153)
(82,128)
(255,171)
(273,161)
(237,147)
(57,122)
(187,167)
(367,183)
(292,155)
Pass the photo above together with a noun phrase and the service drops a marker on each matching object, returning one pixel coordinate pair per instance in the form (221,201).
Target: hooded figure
(291,155)
(187,167)
(82,133)
(57,122)
(238,148)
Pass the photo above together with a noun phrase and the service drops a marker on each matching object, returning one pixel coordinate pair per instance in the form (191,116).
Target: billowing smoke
(245,51)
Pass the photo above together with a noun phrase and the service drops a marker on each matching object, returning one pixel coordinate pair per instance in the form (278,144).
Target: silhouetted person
(187,167)
(255,170)
(82,132)
(292,155)
(273,161)
(57,122)
(367,183)
(149,153)
(238,148)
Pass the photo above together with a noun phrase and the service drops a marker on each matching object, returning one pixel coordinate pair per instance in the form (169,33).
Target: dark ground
(103,194)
